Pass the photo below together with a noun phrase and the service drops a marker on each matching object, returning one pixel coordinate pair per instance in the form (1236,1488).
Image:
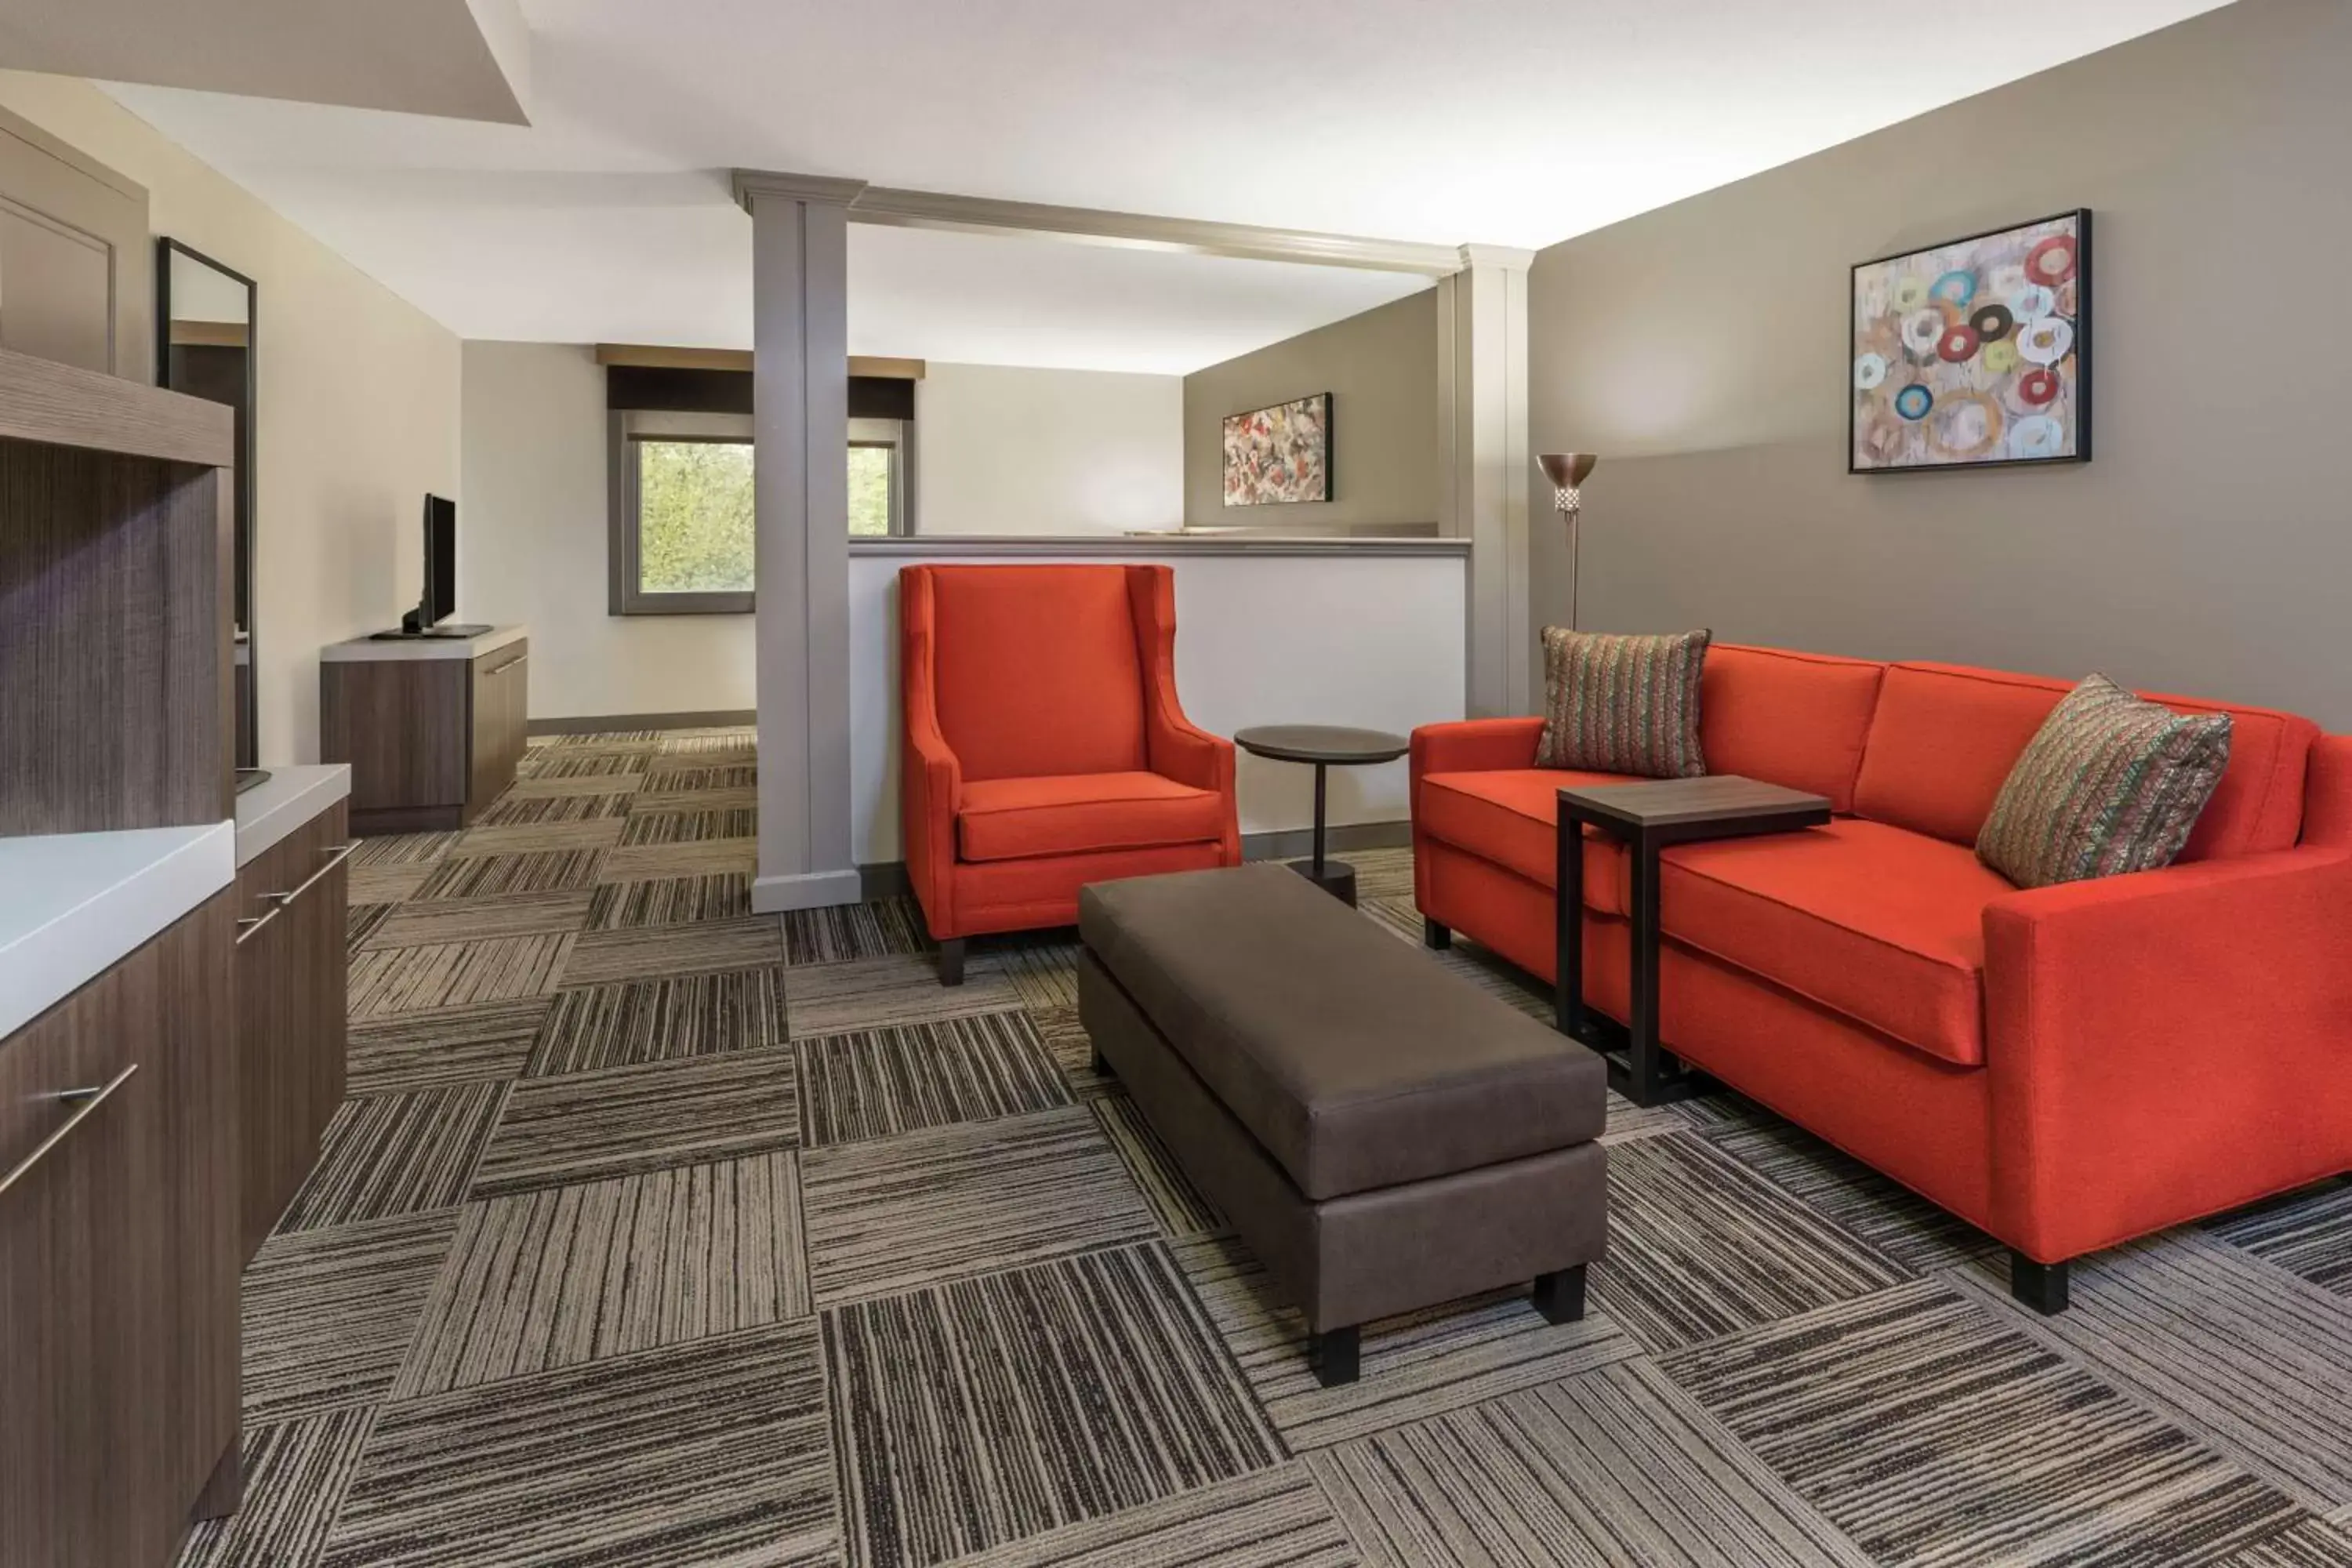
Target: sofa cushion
(1797,720)
(2110,784)
(1882,924)
(1507,815)
(1622,704)
(1076,814)
(1945,737)
(1356,1060)
(1037,670)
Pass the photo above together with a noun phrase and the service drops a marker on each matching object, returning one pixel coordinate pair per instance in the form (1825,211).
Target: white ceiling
(1502,121)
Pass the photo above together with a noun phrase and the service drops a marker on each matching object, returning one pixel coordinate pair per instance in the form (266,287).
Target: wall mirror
(206,320)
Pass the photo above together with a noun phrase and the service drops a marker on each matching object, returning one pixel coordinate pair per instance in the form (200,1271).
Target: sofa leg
(951,962)
(1436,937)
(1333,1354)
(2041,1286)
(1559,1294)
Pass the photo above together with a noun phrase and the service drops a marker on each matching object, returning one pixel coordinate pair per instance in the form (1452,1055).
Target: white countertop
(368,650)
(284,800)
(74,904)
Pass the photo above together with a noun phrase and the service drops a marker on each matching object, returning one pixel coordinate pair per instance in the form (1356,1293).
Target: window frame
(630,428)
(899,437)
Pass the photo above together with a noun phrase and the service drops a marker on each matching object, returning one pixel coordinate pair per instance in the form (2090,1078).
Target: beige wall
(532,541)
(1380,369)
(1005,449)
(1701,350)
(357,407)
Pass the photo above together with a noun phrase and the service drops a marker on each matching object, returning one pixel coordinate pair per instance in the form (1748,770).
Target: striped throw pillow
(2111,783)
(1622,704)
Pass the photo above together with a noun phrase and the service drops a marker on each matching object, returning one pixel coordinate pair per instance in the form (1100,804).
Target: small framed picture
(1279,454)
(1974,353)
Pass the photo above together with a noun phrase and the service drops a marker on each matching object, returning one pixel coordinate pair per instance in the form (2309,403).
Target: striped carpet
(658,1234)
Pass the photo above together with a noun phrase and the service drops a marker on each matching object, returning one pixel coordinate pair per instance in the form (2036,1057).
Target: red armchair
(1044,746)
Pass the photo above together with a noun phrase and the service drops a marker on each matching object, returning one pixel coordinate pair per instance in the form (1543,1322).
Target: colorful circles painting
(1975,352)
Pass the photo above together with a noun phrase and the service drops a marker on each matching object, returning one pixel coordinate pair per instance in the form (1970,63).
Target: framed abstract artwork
(1974,353)
(1279,454)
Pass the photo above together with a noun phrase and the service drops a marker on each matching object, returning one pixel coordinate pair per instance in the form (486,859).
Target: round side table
(1324,746)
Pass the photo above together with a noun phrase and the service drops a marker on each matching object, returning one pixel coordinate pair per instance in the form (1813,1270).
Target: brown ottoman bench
(1384,1134)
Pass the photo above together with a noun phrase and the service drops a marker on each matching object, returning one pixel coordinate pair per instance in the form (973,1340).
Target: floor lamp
(1567,471)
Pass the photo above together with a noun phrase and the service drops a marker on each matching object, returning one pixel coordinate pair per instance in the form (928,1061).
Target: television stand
(446,629)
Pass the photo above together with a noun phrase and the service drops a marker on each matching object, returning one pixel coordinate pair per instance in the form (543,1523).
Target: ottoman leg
(1333,1354)
(1102,1065)
(1560,1296)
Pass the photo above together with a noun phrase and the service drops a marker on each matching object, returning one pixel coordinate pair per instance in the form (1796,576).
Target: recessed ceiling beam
(652,357)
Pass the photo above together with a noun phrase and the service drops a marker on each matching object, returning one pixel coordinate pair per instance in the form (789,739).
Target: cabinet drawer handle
(504,668)
(249,926)
(85,1102)
(334,858)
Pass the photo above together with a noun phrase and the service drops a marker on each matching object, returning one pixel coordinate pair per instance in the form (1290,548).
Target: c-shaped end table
(1326,746)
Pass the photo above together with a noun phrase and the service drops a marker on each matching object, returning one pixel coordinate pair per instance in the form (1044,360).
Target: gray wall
(1381,368)
(1702,349)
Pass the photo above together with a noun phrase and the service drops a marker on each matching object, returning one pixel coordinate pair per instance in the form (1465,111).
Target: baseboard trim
(805,890)
(888,879)
(597,724)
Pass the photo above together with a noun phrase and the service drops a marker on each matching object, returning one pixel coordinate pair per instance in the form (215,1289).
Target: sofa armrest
(931,779)
(2166,1044)
(1173,745)
(1476,746)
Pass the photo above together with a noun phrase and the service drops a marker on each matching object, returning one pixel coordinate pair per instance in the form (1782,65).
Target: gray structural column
(800,442)
(1482,368)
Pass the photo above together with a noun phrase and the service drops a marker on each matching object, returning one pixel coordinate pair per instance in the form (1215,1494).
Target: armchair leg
(1436,937)
(2041,1286)
(952,961)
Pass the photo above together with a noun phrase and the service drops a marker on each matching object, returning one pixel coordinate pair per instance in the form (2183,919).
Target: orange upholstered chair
(1044,747)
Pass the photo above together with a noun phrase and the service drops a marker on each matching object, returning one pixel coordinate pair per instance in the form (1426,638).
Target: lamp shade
(1566,470)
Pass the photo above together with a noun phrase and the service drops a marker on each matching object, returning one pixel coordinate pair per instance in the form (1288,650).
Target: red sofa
(1042,746)
(2065,1067)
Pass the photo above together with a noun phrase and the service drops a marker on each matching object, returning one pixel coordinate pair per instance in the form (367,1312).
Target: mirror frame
(247,742)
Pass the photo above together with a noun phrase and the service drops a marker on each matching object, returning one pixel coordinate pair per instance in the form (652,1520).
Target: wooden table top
(1683,802)
(1320,743)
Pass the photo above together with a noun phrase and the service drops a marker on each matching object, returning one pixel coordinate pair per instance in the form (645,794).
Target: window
(682,507)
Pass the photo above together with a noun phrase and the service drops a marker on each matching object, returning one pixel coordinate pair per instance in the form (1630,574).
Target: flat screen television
(440,575)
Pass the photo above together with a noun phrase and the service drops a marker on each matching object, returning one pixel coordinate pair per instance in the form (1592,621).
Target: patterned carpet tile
(329,1314)
(646,826)
(428,1049)
(706,1455)
(1073,1050)
(390,883)
(1875,1209)
(524,810)
(1415,1365)
(1700,1246)
(735,743)
(660,1020)
(401,849)
(671,900)
(475,876)
(896,1214)
(1176,1202)
(624,1121)
(2256,1360)
(571,1275)
(1268,1519)
(360,923)
(545,788)
(2309,1232)
(650,953)
(709,857)
(880,992)
(2314,1543)
(879,1082)
(881,927)
(1043,967)
(422,923)
(672,773)
(394,1154)
(547,762)
(1933,1431)
(540,838)
(296,1474)
(390,980)
(1615,1466)
(744,798)
(1090,1383)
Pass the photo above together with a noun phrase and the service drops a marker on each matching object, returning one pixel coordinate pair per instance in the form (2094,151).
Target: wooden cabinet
(118,1229)
(292,972)
(432,737)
